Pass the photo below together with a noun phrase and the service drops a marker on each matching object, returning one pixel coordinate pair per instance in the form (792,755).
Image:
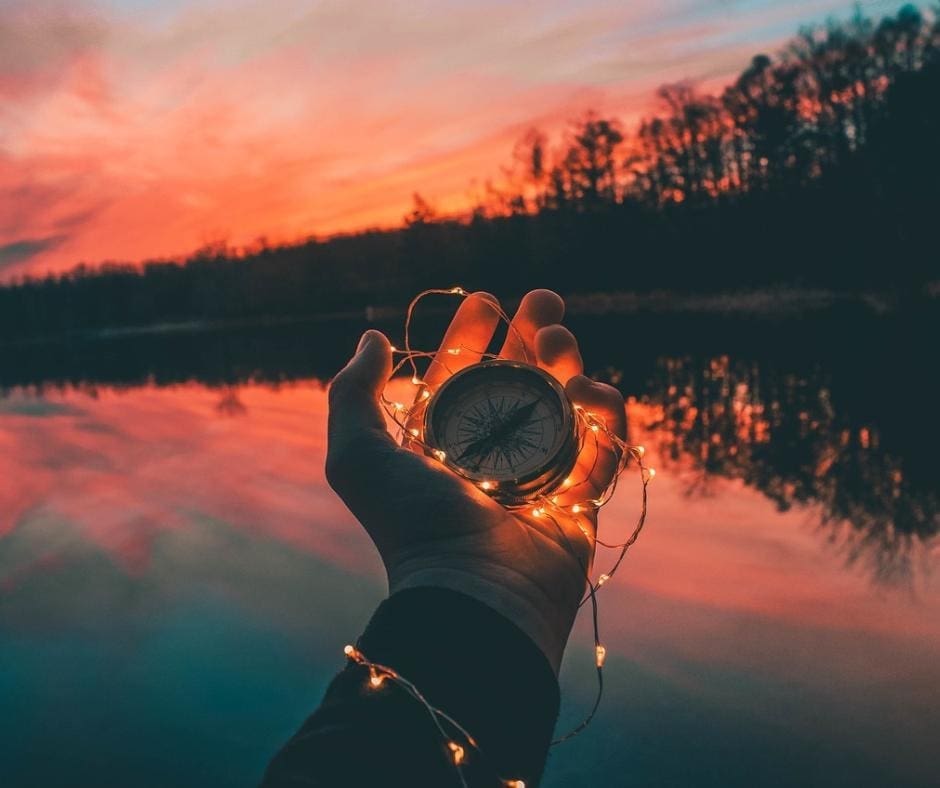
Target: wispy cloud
(25,249)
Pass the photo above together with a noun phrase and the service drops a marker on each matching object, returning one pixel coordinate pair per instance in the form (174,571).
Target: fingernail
(363,341)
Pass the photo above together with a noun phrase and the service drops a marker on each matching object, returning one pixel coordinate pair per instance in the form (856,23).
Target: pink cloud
(135,135)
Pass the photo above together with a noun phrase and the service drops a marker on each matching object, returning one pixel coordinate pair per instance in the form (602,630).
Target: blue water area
(177,582)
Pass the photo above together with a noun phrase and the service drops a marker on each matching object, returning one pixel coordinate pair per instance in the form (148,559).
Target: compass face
(504,423)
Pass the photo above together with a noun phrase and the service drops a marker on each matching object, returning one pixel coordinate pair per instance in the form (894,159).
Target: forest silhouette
(818,168)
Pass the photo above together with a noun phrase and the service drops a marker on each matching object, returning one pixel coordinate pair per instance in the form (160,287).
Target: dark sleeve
(467,660)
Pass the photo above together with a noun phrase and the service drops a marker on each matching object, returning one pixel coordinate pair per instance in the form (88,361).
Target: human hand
(434,528)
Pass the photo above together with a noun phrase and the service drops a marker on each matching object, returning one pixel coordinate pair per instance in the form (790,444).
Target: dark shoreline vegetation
(817,170)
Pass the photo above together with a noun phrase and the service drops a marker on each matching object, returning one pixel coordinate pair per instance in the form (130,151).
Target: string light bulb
(376,679)
(515,784)
(602,579)
(440,454)
(457,752)
(600,654)
(487,485)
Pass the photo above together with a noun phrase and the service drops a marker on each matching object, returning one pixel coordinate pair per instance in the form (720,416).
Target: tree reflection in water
(846,437)
(781,434)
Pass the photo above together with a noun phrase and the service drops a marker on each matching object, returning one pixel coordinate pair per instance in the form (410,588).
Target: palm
(475,533)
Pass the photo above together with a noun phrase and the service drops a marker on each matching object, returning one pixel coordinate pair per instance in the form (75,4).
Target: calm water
(177,581)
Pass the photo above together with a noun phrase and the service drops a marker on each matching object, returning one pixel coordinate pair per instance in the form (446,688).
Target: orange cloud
(131,134)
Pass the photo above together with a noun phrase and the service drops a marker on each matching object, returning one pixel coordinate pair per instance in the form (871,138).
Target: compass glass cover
(503,422)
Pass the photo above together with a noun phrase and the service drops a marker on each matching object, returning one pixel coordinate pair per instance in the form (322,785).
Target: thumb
(356,420)
(370,367)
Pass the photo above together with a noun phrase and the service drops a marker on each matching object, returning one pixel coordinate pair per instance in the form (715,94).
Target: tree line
(817,167)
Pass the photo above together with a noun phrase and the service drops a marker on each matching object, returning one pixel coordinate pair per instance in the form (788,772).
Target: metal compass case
(508,427)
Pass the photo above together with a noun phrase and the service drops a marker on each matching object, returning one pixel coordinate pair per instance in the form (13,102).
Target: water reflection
(824,436)
(780,433)
(175,576)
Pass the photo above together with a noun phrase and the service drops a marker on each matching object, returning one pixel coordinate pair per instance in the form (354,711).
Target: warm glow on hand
(408,500)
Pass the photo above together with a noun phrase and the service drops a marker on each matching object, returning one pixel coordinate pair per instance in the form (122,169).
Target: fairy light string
(459,745)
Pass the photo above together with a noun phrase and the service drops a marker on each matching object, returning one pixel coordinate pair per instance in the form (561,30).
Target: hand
(434,528)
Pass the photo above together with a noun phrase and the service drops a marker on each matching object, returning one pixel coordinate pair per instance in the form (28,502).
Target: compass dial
(504,423)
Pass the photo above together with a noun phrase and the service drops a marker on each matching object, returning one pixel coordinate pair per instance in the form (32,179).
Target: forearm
(468,661)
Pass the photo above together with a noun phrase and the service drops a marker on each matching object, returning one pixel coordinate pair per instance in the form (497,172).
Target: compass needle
(505,423)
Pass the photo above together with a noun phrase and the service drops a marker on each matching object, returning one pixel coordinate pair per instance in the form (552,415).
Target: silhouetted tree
(819,166)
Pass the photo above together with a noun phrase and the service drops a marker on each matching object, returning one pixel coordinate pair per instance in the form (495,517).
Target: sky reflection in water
(177,582)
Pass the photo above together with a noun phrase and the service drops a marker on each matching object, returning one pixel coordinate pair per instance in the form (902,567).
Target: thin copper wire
(402,416)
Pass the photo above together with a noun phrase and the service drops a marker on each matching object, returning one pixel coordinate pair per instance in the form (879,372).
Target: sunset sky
(132,129)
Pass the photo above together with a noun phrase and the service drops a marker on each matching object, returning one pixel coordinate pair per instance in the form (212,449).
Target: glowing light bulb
(567,482)
(488,485)
(594,428)
(457,752)
(425,394)
(414,432)
(640,450)
(440,455)
(454,351)
(416,380)
(393,348)
(602,579)
(600,654)
(457,291)
(650,473)
(349,650)
(576,508)
(555,500)
(398,406)
(515,784)
(537,512)
(375,679)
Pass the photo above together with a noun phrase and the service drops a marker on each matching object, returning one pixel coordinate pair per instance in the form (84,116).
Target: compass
(508,427)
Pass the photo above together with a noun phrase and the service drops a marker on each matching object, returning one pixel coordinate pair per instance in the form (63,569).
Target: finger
(538,308)
(356,425)
(557,352)
(599,457)
(467,337)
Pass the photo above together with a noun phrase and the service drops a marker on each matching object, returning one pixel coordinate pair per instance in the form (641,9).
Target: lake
(177,580)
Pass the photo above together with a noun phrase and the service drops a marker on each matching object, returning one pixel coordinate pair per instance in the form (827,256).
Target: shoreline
(767,303)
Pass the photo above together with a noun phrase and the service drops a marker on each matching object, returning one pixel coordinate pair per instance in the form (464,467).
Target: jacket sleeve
(467,660)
